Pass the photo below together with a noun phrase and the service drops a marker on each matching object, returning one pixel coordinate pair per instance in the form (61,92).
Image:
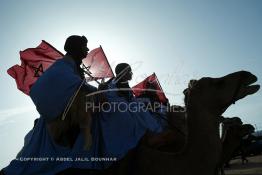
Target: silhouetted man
(123,76)
(52,94)
(76,48)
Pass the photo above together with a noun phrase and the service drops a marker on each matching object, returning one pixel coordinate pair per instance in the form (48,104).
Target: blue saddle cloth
(114,132)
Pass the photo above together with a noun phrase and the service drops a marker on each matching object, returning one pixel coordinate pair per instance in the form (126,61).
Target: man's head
(76,46)
(123,72)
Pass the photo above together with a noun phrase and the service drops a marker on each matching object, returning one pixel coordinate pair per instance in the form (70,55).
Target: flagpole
(107,60)
(89,73)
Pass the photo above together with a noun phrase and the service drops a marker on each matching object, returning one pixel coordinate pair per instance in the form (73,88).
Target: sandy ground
(253,167)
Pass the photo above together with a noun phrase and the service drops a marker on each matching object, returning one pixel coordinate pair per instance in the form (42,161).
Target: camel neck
(203,133)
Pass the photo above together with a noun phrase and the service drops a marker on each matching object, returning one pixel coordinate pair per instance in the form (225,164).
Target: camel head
(247,129)
(232,121)
(239,131)
(217,94)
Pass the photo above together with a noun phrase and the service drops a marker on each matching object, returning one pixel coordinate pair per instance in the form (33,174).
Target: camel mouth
(248,87)
(251,89)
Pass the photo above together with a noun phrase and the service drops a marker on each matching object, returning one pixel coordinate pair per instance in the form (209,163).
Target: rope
(69,104)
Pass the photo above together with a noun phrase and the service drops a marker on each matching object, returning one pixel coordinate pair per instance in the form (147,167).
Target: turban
(74,43)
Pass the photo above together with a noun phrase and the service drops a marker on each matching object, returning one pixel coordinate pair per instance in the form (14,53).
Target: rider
(51,94)
(123,75)
(121,81)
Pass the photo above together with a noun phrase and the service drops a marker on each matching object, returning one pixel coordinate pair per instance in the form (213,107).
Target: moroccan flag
(97,64)
(149,84)
(34,61)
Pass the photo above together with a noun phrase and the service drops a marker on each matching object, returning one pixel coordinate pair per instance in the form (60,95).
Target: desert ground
(253,167)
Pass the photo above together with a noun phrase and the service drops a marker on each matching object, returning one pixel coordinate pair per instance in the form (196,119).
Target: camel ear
(192,83)
(221,119)
(185,91)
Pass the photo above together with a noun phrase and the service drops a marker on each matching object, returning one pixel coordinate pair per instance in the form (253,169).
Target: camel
(189,154)
(206,99)
(227,122)
(232,141)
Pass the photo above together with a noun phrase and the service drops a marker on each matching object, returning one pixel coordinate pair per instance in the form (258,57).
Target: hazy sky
(179,40)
